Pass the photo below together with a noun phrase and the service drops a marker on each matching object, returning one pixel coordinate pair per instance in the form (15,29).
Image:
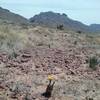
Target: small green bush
(93,61)
(79,31)
(12,55)
(60,27)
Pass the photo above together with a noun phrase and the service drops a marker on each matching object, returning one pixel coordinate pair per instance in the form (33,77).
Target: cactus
(93,62)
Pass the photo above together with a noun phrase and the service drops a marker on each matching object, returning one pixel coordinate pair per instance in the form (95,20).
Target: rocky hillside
(51,19)
(7,16)
(28,54)
(23,74)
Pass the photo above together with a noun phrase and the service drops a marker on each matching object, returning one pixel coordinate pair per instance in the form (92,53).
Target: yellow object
(50,77)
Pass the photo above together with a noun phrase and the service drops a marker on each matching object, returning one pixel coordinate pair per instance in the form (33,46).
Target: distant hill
(7,16)
(52,19)
(95,27)
(49,19)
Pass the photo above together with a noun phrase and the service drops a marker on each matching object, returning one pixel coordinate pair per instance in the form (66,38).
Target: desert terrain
(28,54)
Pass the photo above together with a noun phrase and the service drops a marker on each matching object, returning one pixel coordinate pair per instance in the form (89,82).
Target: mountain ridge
(48,19)
(8,16)
(52,19)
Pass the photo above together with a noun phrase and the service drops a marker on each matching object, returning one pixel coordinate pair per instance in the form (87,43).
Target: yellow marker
(50,77)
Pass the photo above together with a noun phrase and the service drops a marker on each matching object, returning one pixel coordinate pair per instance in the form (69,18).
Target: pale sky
(86,11)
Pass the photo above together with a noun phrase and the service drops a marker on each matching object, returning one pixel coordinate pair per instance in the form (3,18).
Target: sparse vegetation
(10,40)
(75,42)
(15,37)
(93,62)
(79,32)
(13,55)
(60,27)
(24,26)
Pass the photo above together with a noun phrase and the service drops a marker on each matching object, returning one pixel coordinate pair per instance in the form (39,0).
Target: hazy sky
(86,11)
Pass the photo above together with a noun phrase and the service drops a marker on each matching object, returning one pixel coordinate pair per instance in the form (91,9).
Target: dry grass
(14,37)
(11,39)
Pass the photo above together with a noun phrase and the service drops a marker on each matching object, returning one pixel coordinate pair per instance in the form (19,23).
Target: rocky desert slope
(33,53)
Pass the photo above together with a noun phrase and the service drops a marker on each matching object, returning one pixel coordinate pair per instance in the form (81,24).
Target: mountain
(49,19)
(52,19)
(95,27)
(6,15)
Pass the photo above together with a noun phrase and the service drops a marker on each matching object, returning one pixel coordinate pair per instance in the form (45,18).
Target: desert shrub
(4,29)
(8,41)
(40,44)
(13,54)
(60,27)
(79,31)
(24,26)
(75,42)
(93,61)
(11,41)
